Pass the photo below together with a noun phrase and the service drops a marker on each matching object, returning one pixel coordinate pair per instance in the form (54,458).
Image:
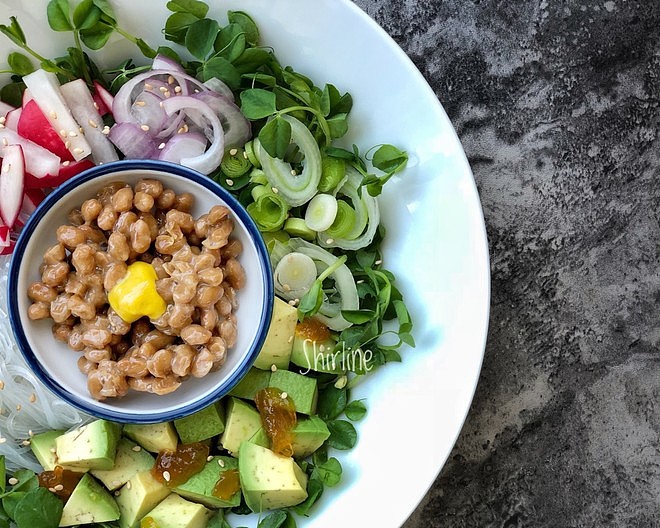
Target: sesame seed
(290,340)
(73,133)
(2,440)
(67,143)
(322,348)
(209,458)
(25,442)
(106,130)
(229,181)
(292,302)
(196,90)
(30,433)
(96,105)
(148,86)
(2,384)
(284,395)
(293,172)
(52,490)
(286,287)
(275,190)
(177,89)
(7,167)
(77,150)
(53,450)
(63,133)
(145,127)
(59,487)
(161,146)
(329,240)
(66,163)
(273,367)
(359,281)
(33,397)
(3,119)
(163,89)
(378,262)
(140,103)
(170,80)
(167,476)
(136,448)
(93,123)
(2,125)
(116,483)
(167,94)
(18,407)
(53,114)
(233,152)
(221,462)
(13,481)
(245,155)
(128,485)
(341,382)
(4,141)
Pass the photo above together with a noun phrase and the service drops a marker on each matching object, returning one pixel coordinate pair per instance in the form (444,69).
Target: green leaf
(273,520)
(168,52)
(27,480)
(314,492)
(358,316)
(3,474)
(194,7)
(275,138)
(338,125)
(106,8)
(311,301)
(176,26)
(230,42)
(57,12)
(247,25)
(12,93)
(251,60)
(331,402)
(96,36)
(356,410)
(389,159)
(343,435)
(201,36)
(329,472)
(222,69)
(10,502)
(86,15)
(20,64)
(146,50)
(39,507)
(14,32)
(257,103)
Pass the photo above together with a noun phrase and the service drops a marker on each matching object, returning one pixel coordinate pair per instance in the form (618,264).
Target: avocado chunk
(90,446)
(89,503)
(243,420)
(252,382)
(177,512)
(43,447)
(129,460)
(153,437)
(199,487)
(301,389)
(315,354)
(260,438)
(137,497)
(276,349)
(308,435)
(202,425)
(270,481)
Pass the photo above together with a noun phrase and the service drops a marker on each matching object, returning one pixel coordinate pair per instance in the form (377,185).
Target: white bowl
(56,364)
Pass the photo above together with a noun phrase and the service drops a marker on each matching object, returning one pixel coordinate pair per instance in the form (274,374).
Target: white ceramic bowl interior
(55,363)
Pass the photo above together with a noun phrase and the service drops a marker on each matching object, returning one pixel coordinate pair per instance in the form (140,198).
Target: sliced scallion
(297,227)
(321,212)
(269,211)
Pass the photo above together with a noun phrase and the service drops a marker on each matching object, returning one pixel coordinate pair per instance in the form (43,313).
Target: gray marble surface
(557,106)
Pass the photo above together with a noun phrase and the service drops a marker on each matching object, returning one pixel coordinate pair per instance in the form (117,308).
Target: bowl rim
(124,416)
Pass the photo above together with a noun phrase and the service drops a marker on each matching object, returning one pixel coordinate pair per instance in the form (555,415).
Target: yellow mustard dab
(135,295)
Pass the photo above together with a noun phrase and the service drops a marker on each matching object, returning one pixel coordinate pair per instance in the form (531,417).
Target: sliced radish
(5,108)
(45,89)
(12,178)
(79,99)
(4,235)
(66,170)
(103,98)
(33,125)
(13,117)
(31,200)
(27,97)
(38,161)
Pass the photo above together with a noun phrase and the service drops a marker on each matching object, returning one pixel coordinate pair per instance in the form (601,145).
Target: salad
(219,102)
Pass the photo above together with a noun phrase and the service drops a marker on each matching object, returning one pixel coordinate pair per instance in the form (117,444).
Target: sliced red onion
(163,62)
(209,160)
(186,145)
(12,117)
(236,127)
(105,96)
(219,87)
(148,113)
(133,141)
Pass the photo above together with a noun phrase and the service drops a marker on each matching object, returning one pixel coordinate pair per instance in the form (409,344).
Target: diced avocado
(270,481)
(153,437)
(199,487)
(90,446)
(315,354)
(243,420)
(260,438)
(301,389)
(308,435)
(252,382)
(204,424)
(137,497)
(177,512)
(43,447)
(129,460)
(276,349)
(89,503)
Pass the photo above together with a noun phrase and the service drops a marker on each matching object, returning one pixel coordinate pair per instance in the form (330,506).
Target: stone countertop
(557,107)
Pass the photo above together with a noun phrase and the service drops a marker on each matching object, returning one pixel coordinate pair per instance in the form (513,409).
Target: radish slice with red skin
(8,250)
(79,99)
(39,161)
(209,160)
(4,236)
(103,99)
(12,118)
(27,97)
(33,125)
(12,178)
(189,144)
(45,89)
(66,171)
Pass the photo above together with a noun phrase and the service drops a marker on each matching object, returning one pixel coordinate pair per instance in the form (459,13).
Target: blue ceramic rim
(129,165)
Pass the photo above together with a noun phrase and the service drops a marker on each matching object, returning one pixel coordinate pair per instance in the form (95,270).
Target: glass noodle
(26,406)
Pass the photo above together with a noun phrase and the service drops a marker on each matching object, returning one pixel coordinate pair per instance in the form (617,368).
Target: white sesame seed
(245,155)
(161,146)
(7,167)
(170,80)
(53,114)
(67,143)
(25,442)
(96,105)
(329,240)
(293,172)
(145,127)
(273,367)
(13,481)
(341,382)
(53,450)
(66,163)
(148,86)
(93,123)
(290,340)
(209,458)
(221,462)
(275,190)
(284,395)
(2,440)
(77,150)
(30,433)
(52,490)
(378,262)
(33,397)
(128,485)
(136,448)
(321,348)
(63,133)
(163,89)
(19,407)
(167,476)
(4,141)
(3,119)
(139,103)
(106,130)
(229,181)
(73,133)
(2,125)
(58,487)
(177,89)
(233,152)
